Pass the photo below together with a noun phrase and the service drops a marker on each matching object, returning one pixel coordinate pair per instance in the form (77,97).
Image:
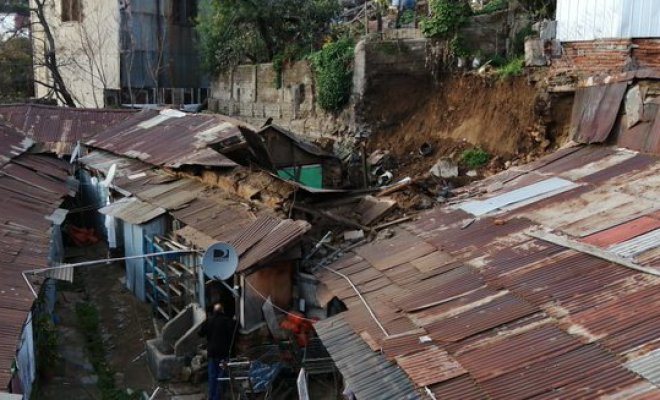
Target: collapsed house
(539,282)
(33,188)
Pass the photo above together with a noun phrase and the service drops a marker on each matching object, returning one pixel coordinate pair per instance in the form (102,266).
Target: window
(71,10)
(184,12)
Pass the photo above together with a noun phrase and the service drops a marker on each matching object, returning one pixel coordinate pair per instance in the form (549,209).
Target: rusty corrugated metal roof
(32,188)
(12,143)
(170,138)
(524,318)
(210,214)
(58,128)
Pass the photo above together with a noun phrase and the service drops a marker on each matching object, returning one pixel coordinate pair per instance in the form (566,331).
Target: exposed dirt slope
(507,118)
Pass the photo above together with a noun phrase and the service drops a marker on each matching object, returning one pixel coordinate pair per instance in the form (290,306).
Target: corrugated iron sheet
(463,388)
(369,375)
(168,139)
(32,188)
(52,127)
(529,193)
(524,318)
(430,366)
(631,248)
(595,110)
(647,366)
(623,232)
(133,211)
(12,143)
(210,214)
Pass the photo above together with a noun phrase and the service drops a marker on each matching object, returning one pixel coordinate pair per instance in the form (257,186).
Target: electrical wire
(364,301)
(94,262)
(275,306)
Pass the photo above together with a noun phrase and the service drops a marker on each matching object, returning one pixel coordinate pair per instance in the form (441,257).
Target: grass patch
(88,318)
(494,6)
(514,67)
(475,158)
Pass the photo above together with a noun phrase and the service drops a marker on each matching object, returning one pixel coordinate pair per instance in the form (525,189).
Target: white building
(122,51)
(581,20)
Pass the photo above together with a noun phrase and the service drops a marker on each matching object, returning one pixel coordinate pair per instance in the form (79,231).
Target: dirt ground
(507,118)
(513,120)
(125,323)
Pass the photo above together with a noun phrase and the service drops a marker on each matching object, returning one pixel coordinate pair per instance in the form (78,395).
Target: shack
(293,158)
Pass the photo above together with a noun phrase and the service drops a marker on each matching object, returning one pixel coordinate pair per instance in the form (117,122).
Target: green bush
(447,16)
(407,17)
(333,72)
(493,6)
(514,67)
(475,158)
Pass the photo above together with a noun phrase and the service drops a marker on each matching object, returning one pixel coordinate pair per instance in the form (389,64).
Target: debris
(403,183)
(425,149)
(354,235)
(424,202)
(499,222)
(445,168)
(329,215)
(385,178)
(396,221)
(378,157)
(385,234)
(472,173)
(494,187)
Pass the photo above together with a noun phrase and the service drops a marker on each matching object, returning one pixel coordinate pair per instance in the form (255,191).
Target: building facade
(122,52)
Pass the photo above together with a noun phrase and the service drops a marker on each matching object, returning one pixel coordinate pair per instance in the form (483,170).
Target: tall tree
(49,59)
(15,69)
(233,31)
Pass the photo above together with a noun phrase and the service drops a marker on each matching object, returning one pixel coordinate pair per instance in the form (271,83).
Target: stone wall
(253,93)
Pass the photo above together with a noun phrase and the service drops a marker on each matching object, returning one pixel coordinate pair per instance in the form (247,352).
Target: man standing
(219,331)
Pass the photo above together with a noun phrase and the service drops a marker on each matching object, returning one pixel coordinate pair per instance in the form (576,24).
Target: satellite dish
(220,261)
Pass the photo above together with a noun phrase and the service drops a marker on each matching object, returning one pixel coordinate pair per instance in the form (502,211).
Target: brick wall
(607,56)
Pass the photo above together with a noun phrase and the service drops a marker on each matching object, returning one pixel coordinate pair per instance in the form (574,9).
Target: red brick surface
(607,56)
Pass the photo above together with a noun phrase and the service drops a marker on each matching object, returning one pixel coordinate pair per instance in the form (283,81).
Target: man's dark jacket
(218,329)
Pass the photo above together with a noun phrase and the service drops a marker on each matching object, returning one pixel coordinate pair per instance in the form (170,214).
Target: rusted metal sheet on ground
(595,110)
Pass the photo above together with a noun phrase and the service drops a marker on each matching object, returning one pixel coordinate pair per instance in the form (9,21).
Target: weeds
(88,318)
(513,68)
(475,158)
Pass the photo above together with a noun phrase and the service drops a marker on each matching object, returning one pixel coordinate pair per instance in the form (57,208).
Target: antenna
(75,154)
(111,175)
(220,261)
